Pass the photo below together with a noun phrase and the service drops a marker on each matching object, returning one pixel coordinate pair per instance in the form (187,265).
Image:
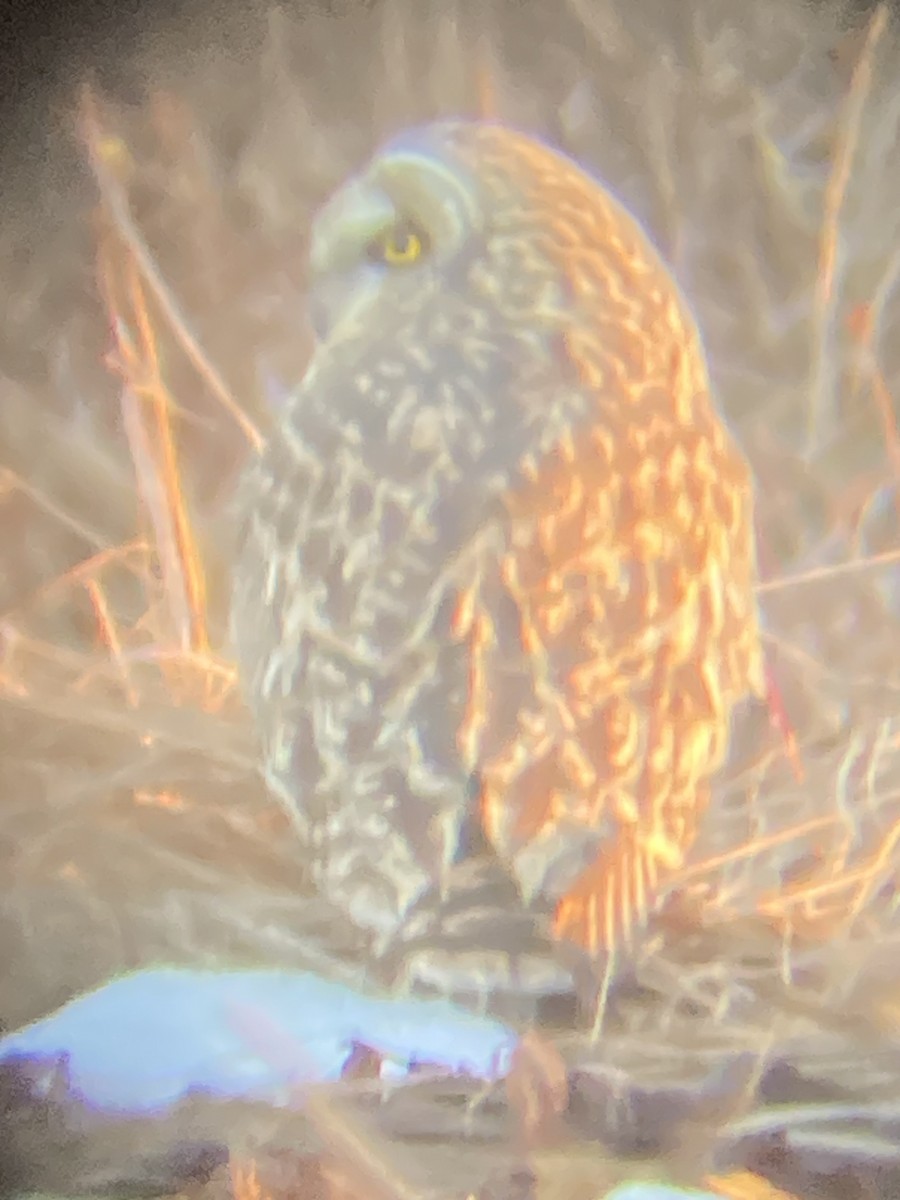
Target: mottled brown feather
(500,545)
(631,566)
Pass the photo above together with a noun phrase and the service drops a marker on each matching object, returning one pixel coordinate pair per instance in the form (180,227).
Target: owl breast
(376,503)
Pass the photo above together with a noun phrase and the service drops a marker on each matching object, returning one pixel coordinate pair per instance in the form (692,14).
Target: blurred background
(159,172)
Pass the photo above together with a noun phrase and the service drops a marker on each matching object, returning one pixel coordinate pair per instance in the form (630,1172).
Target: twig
(110,637)
(155,459)
(833,202)
(818,574)
(153,494)
(485,84)
(186,556)
(10,482)
(116,202)
(862,327)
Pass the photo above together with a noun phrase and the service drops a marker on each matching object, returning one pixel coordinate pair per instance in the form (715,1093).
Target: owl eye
(400,246)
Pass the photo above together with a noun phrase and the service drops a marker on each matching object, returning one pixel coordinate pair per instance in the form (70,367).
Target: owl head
(474,208)
(469,257)
(392,232)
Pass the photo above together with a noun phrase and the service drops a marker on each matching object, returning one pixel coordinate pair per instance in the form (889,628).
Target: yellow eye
(400,246)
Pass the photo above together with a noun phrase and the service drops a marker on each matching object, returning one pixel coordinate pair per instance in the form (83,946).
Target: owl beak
(340,280)
(334,301)
(324,309)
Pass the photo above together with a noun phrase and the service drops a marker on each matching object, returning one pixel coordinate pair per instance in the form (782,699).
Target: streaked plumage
(496,561)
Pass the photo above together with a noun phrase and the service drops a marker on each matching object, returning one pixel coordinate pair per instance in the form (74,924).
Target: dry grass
(155,312)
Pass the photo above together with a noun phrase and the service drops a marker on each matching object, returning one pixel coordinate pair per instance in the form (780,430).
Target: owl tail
(611,899)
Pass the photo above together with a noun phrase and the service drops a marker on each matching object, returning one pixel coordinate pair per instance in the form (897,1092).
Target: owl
(494,588)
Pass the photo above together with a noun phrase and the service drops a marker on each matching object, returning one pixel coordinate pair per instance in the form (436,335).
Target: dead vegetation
(156,315)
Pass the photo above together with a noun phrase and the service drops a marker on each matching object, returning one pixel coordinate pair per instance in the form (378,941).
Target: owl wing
(606,648)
